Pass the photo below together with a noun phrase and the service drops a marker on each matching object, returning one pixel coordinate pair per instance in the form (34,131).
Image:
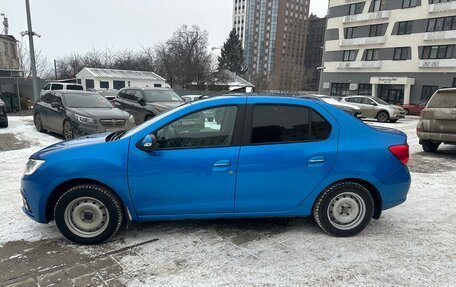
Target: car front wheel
(68,131)
(88,214)
(344,209)
(383,117)
(38,123)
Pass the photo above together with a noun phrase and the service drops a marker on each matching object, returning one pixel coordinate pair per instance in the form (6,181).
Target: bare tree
(43,68)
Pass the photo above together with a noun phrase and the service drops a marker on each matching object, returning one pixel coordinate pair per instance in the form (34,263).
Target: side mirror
(56,105)
(142,102)
(148,144)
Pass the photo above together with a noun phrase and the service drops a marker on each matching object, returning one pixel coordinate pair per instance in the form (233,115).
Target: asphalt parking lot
(410,245)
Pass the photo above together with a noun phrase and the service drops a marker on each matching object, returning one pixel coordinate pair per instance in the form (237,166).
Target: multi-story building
(314,51)
(9,59)
(274,34)
(400,51)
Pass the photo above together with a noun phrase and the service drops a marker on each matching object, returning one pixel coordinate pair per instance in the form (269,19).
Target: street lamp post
(30,34)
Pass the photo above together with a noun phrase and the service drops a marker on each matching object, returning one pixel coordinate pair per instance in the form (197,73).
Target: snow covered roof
(233,80)
(122,74)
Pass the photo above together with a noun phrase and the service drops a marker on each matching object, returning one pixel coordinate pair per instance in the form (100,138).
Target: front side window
(195,131)
(57,87)
(47,87)
(287,124)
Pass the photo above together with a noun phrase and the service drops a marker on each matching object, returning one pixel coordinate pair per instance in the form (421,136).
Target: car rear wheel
(344,209)
(38,123)
(383,117)
(88,214)
(429,146)
(68,131)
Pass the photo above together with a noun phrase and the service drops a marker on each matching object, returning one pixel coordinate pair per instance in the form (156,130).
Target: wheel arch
(66,185)
(383,110)
(378,202)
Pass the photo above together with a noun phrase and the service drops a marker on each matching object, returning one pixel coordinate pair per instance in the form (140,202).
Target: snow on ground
(412,244)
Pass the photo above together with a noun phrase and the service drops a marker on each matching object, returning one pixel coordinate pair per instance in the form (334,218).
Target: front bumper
(33,201)
(90,129)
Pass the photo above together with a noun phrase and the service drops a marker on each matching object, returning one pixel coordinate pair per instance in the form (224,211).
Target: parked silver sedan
(375,108)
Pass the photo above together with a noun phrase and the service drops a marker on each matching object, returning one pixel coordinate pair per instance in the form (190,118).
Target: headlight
(131,120)
(85,120)
(32,166)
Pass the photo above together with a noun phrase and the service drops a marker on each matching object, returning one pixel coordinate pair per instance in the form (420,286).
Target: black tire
(38,123)
(84,197)
(383,117)
(429,146)
(393,121)
(339,196)
(4,124)
(68,131)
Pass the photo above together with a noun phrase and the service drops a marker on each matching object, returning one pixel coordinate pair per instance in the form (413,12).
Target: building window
(438,52)
(409,3)
(377,5)
(365,89)
(349,55)
(90,84)
(104,85)
(350,33)
(405,28)
(376,30)
(441,24)
(119,85)
(355,9)
(401,54)
(439,1)
(372,55)
(340,90)
(427,92)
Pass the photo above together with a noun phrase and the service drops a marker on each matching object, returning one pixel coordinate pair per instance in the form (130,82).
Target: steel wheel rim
(346,211)
(68,133)
(86,217)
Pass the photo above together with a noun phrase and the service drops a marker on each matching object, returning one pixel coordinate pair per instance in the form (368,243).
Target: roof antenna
(5,24)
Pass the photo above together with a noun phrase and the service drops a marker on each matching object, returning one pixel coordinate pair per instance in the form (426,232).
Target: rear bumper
(394,189)
(437,137)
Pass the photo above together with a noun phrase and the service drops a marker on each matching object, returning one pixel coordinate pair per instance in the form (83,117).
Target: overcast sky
(78,26)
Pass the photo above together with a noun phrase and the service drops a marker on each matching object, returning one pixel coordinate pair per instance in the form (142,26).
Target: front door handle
(222,163)
(317,160)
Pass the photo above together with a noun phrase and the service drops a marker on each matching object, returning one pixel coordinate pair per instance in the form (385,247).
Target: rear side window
(443,100)
(354,100)
(282,124)
(75,88)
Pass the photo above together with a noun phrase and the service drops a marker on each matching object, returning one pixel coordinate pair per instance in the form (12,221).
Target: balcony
(374,16)
(359,65)
(443,63)
(442,7)
(438,36)
(363,41)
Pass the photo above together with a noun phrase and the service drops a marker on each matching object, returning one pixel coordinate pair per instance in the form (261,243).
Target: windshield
(443,100)
(87,101)
(161,96)
(330,101)
(381,102)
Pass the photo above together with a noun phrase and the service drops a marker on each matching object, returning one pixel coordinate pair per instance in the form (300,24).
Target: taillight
(401,152)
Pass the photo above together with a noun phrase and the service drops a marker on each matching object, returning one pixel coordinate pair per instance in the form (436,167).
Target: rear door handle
(317,160)
(222,163)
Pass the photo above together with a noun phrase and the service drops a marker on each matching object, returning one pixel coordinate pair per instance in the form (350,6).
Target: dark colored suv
(77,113)
(3,116)
(146,103)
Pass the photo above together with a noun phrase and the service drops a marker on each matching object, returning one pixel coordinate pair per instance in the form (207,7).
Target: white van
(56,86)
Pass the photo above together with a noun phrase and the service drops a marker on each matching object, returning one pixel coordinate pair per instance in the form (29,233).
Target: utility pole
(55,68)
(32,51)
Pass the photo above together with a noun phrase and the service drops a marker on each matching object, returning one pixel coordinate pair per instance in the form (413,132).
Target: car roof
(271,97)
(76,84)
(447,90)
(75,92)
(147,89)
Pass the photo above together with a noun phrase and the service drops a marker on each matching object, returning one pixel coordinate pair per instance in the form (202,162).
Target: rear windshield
(161,96)
(87,101)
(75,88)
(443,100)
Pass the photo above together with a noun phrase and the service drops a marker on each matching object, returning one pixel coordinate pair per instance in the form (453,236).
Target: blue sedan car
(265,156)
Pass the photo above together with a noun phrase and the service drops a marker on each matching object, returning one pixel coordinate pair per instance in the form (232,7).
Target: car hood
(164,106)
(65,145)
(99,113)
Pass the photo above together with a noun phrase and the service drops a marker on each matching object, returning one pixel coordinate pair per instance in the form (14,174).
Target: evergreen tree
(232,56)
